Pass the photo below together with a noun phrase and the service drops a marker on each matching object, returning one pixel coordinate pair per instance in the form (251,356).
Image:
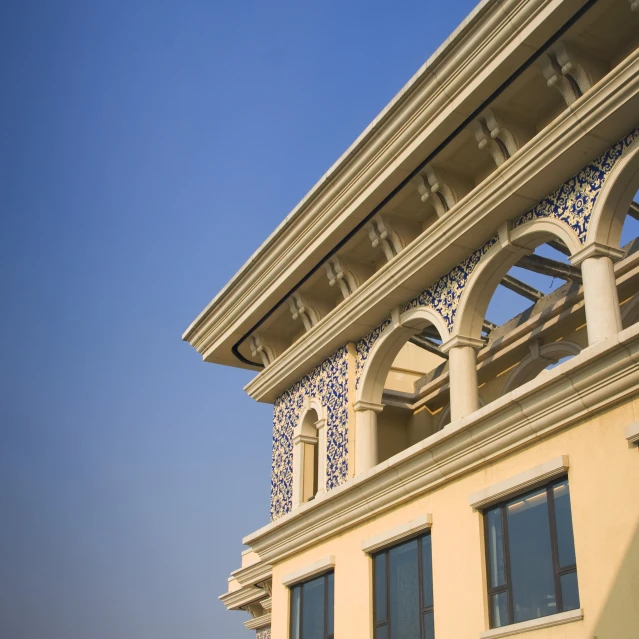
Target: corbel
(255,610)
(391,237)
(308,309)
(570,71)
(345,274)
(493,134)
(439,188)
(267,347)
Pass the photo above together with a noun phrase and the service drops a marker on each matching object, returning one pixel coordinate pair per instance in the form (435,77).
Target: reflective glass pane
(531,567)
(427,571)
(380,587)
(313,609)
(429,625)
(295,612)
(381,632)
(499,610)
(330,597)
(569,591)
(404,591)
(563,518)
(495,542)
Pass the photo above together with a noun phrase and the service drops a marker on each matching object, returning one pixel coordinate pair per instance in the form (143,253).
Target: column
(603,317)
(462,375)
(366,435)
(321,456)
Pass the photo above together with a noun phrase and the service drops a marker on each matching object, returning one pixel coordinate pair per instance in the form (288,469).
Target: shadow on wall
(619,618)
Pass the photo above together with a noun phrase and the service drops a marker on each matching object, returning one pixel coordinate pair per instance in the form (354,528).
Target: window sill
(534,624)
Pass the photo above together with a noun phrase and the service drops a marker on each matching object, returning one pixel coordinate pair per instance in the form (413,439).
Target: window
(312,608)
(403,591)
(530,554)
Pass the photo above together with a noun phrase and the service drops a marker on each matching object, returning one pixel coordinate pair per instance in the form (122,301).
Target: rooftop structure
(436,469)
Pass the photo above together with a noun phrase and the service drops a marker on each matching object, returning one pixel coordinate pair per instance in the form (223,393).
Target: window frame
(558,570)
(420,577)
(324,576)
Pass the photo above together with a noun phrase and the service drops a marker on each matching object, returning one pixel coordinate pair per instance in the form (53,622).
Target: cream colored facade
(398,408)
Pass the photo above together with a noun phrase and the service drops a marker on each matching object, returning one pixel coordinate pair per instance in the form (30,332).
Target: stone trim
(519,483)
(397,533)
(595,380)
(312,570)
(632,433)
(534,624)
(258,622)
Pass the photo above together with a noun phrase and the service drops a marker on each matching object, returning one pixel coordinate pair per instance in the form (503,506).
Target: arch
(539,358)
(309,452)
(387,347)
(498,260)
(616,195)
(630,311)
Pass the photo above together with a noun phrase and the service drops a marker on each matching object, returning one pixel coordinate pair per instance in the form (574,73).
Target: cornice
(595,380)
(255,574)
(242,597)
(258,622)
(495,39)
(551,157)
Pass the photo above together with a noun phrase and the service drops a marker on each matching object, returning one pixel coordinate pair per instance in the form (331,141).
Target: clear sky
(147,150)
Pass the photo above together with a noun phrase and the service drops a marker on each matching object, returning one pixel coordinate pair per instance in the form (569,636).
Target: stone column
(366,435)
(462,375)
(603,317)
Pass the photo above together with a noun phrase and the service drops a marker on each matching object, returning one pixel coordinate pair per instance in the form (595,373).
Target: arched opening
(529,290)
(309,453)
(388,416)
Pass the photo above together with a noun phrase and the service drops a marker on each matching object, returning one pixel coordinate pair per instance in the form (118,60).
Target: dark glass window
(403,591)
(530,553)
(312,608)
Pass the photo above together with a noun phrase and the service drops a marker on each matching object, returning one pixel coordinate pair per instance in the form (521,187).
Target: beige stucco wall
(604,484)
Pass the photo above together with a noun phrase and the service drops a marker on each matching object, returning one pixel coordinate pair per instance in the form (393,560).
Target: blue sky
(147,150)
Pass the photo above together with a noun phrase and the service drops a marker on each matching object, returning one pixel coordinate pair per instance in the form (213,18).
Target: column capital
(595,249)
(460,340)
(320,423)
(362,406)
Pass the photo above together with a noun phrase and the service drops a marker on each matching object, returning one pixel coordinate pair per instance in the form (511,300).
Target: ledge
(258,622)
(312,570)
(242,597)
(534,624)
(595,380)
(520,483)
(632,433)
(397,534)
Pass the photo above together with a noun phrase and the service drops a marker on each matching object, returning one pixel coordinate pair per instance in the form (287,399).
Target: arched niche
(309,452)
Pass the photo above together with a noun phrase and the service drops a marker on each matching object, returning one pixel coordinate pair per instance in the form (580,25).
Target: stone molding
(310,571)
(258,622)
(499,197)
(520,483)
(596,379)
(497,37)
(534,624)
(397,534)
(596,250)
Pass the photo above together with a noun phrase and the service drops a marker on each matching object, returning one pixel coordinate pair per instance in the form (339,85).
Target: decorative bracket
(391,237)
(438,188)
(266,347)
(493,135)
(346,274)
(309,310)
(570,72)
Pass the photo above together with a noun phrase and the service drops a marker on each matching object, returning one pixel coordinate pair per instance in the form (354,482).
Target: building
(434,472)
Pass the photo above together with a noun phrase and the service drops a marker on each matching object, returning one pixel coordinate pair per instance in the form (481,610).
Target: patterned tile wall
(329,383)
(263,633)
(571,204)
